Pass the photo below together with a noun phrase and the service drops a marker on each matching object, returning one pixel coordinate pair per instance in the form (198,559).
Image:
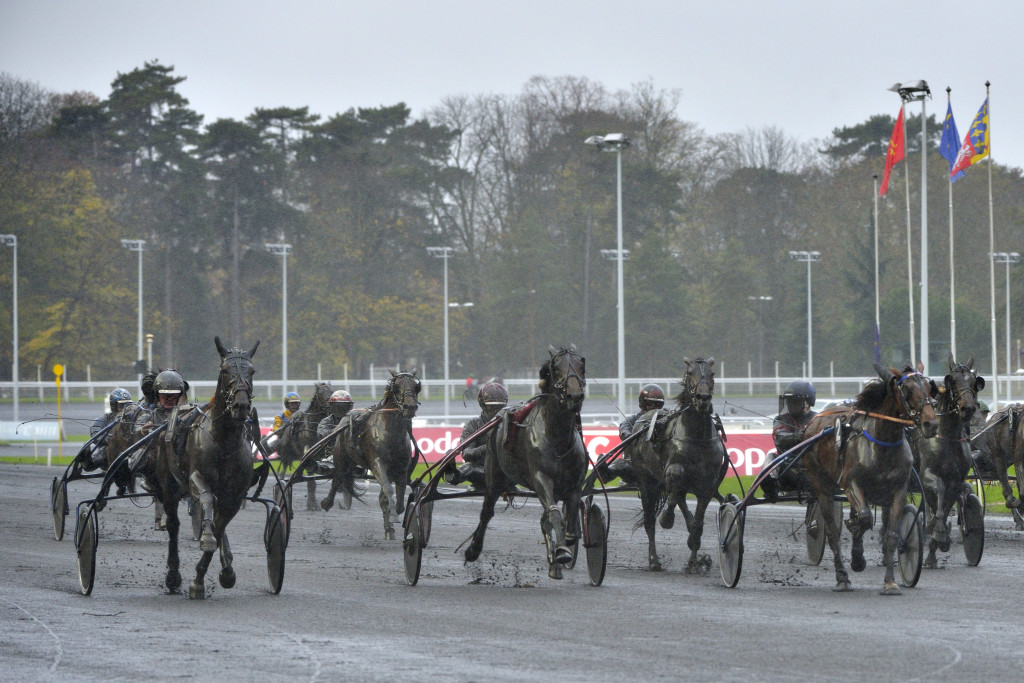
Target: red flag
(895,154)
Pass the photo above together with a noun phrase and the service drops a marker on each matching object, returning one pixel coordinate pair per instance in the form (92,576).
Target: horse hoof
(325,504)
(668,518)
(891,589)
(472,554)
(858,563)
(842,587)
(555,571)
(944,546)
(227,577)
(1012,503)
(173,580)
(654,566)
(197,591)
(563,555)
(1020,526)
(931,563)
(389,534)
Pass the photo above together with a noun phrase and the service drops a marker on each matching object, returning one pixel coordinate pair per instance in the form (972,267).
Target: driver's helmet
(118,399)
(797,393)
(169,382)
(492,396)
(292,401)
(651,397)
(146,385)
(340,403)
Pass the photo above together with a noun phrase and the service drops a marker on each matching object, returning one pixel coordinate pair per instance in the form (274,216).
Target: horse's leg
(259,478)
(386,498)
(674,483)
(200,490)
(935,499)
(860,522)
(311,504)
(491,494)
(698,564)
(1001,468)
(832,535)
(336,481)
(160,516)
(173,578)
(890,540)
(649,489)
(227,572)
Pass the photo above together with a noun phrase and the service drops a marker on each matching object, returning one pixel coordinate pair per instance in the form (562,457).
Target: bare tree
(24,106)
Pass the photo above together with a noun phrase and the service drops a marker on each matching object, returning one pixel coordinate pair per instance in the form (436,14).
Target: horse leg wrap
(201,492)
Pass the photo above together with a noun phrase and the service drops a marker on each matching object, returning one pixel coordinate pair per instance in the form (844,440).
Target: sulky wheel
(972,528)
(730,543)
(276,539)
(911,543)
(814,524)
(59,506)
(425,513)
(597,549)
(195,513)
(412,549)
(86,539)
(283,499)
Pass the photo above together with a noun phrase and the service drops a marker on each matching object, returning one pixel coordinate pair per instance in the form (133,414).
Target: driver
(291,406)
(652,397)
(787,431)
(492,398)
(116,401)
(340,404)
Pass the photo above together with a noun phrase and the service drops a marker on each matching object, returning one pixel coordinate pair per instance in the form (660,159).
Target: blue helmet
(290,398)
(118,399)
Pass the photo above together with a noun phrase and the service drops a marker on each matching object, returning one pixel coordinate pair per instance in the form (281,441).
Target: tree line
(506,181)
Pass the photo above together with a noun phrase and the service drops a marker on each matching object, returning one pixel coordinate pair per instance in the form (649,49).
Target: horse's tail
(349,486)
(659,504)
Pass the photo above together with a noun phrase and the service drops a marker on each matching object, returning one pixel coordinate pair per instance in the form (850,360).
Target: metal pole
(140,310)
(952,265)
(910,256)
(446,375)
(992,263)
(621,305)
(12,241)
(1009,369)
(878,329)
(284,322)
(924,237)
(810,338)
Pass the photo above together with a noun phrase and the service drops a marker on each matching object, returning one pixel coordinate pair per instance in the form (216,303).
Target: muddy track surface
(347,613)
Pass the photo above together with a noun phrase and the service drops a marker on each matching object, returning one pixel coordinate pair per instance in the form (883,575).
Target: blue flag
(949,145)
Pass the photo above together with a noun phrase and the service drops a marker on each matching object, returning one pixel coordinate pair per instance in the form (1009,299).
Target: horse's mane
(874,392)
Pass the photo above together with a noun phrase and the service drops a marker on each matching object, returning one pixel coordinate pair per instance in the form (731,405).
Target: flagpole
(878,342)
(924,234)
(952,287)
(991,256)
(910,257)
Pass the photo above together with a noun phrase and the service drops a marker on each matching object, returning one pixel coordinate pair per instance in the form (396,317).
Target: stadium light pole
(1007,258)
(12,242)
(444,253)
(918,91)
(138,246)
(809,257)
(761,300)
(616,142)
(282,249)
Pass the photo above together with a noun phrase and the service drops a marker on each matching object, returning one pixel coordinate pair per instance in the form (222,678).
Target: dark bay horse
(380,440)
(945,459)
(872,464)
(685,454)
(300,433)
(540,446)
(1000,445)
(127,430)
(208,453)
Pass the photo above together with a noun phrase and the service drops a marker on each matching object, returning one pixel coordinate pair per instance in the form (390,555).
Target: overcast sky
(804,66)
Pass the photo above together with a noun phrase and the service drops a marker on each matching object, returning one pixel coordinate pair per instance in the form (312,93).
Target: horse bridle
(903,404)
(691,391)
(240,378)
(561,385)
(400,397)
(957,393)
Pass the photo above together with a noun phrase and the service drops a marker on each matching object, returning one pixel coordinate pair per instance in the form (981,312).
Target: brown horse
(214,464)
(871,461)
(300,433)
(944,460)
(540,447)
(685,454)
(380,440)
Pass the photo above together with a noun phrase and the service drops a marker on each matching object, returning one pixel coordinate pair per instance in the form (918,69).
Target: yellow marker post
(58,370)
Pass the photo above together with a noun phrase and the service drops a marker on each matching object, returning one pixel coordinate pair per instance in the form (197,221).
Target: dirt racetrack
(346,612)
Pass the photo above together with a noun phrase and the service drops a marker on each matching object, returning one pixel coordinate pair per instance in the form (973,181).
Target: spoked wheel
(59,506)
(86,540)
(425,513)
(597,549)
(195,513)
(730,543)
(814,524)
(412,549)
(276,539)
(283,500)
(911,543)
(972,528)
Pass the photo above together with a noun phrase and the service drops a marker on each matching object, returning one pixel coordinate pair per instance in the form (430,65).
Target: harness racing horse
(540,447)
(872,462)
(214,462)
(944,460)
(1001,444)
(684,454)
(125,432)
(380,440)
(300,433)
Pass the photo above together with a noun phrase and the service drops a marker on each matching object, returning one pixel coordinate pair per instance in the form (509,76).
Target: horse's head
(321,396)
(698,384)
(235,381)
(565,375)
(913,393)
(403,389)
(962,387)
